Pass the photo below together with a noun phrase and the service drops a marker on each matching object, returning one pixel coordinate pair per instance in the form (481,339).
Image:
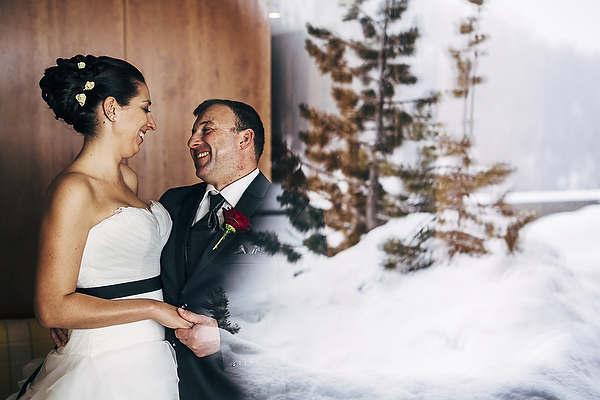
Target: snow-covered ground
(496,327)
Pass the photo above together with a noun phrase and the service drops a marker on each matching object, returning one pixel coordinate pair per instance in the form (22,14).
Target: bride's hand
(168,316)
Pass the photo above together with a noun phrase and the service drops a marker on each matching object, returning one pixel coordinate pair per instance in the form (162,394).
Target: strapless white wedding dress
(128,361)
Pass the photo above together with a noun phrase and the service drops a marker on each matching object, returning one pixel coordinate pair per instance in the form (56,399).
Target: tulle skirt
(130,361)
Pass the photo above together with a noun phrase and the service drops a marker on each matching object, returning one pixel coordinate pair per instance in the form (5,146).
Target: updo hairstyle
(63,84)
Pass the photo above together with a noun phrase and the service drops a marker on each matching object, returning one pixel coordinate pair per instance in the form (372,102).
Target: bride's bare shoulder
(71,190)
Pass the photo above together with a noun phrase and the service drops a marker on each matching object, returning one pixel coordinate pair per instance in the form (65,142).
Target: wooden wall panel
(197,50)
(35,147)
(200,49)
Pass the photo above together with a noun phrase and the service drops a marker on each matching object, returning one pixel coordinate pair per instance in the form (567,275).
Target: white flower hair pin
(81,97)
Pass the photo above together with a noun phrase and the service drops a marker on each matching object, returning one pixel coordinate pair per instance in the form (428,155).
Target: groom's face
(215,146)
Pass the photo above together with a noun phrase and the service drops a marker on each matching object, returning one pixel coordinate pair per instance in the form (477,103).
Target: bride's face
(134,121)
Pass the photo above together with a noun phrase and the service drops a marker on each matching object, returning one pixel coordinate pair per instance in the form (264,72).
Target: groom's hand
(59,336)
(203,338)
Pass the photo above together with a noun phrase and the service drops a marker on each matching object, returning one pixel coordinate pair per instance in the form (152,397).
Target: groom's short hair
(246,118)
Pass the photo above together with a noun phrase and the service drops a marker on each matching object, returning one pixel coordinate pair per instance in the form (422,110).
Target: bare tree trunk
(371,199)
(372,204)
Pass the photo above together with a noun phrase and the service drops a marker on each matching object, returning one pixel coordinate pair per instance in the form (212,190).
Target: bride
(100,245)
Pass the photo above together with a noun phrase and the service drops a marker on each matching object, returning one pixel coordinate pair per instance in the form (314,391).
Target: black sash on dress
(29,380)
(123,289)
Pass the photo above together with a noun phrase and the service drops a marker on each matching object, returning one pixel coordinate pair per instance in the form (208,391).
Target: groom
(226,144)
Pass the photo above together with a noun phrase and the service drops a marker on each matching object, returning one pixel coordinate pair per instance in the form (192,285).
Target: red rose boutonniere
(234,222)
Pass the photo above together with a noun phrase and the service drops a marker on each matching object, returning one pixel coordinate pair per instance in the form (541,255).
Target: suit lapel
(254,196)
(250,201)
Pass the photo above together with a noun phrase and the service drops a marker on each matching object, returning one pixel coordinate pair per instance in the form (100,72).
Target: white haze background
(537,110)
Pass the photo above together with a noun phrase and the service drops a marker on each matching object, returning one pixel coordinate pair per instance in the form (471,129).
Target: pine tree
(467,62)
(461,223)
(350,152)
(294,201)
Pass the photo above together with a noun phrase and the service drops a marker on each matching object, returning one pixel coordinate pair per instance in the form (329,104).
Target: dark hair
(246,118)
(67,79)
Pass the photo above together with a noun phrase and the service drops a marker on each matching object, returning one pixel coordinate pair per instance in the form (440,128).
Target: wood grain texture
(195,50)
(35,147)
(198,50)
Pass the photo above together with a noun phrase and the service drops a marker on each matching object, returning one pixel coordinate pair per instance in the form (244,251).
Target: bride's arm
(69,214)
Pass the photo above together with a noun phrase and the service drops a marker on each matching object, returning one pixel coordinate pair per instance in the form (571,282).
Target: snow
(524,326)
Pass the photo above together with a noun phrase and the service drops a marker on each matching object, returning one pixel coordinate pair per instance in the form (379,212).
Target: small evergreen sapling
(217,305)
(448,176)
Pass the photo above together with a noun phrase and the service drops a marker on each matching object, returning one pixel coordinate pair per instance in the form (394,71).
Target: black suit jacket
(206,377)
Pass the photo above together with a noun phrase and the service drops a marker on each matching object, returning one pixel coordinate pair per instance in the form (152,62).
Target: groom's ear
(246,138)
